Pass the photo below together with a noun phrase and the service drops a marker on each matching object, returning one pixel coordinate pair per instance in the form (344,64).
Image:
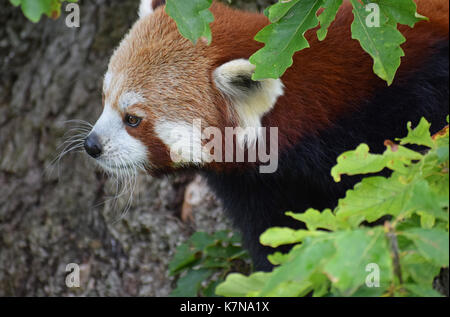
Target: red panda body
(328,102)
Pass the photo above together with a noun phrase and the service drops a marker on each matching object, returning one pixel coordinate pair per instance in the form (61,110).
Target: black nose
(92,145)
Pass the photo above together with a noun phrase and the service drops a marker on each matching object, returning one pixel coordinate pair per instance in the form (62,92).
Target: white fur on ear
(251,99)
(145,8)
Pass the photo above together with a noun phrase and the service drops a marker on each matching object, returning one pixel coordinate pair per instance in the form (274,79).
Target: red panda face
(158,84)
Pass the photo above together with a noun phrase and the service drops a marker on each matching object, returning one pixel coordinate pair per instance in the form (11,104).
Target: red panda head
(158,83)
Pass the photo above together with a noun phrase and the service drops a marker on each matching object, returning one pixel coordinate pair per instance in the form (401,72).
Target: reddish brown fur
(176,76)
(325,77)
(330,74)
(157,3)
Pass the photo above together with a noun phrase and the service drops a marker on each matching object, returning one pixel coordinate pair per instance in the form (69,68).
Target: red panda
(158,83)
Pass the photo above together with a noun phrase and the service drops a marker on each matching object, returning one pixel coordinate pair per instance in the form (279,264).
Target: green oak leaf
(354,251)
(296,276)
(192,17)
(418,268)
(382,43)
(238,285)
(327,17)
(283,38)
(433,244)
(15,2)
(374,198)
(360,161)
(278,258)
(420,135)
(428,202)
(315,219)
(34,9)
(442,143)
(421,290)
(400,11)
(200,240)
(278,10)
(276,236)
(189,285)
(184,257)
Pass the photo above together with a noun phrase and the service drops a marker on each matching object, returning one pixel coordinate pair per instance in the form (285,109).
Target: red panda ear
(251,99)
(148,6)
(234,80)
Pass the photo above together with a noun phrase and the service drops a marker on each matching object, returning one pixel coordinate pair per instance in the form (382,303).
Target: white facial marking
(183,139)
(117,81)
(130,98)
(107,81)
(145,8)
(186,147)
(250,104)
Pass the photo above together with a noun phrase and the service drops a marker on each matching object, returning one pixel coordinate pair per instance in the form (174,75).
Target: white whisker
(73,141)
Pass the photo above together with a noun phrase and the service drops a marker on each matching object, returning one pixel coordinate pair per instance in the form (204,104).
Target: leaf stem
(392,237)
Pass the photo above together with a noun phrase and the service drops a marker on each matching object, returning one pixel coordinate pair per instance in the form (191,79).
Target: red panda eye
(132,121)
